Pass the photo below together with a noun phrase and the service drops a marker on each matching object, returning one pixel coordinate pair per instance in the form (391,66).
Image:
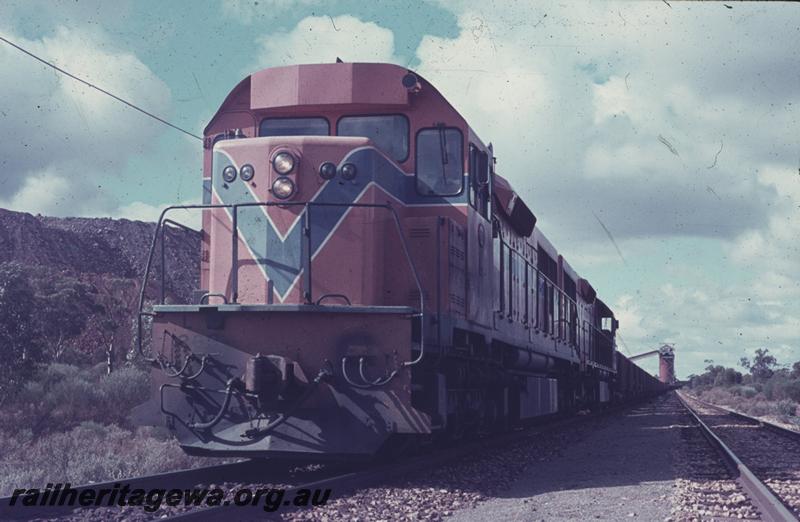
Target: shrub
(791,389)
(786,407)
(62,396)
(758,409)
(748,392)
(90,452)
(717,396)
(770,389)
(19,330)
(120,391)
(781,386)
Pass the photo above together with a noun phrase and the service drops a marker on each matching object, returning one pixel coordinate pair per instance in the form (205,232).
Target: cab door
(479,238)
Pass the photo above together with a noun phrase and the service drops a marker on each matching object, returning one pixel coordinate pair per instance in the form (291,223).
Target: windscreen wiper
(443,149)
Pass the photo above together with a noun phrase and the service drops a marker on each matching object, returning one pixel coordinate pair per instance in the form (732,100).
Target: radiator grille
(457,253)
(457,300)
(418,232)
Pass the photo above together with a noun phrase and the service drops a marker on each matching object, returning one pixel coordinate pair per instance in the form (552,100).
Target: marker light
(348,171)
(283,163)
(327,170)
(247,172)
(282,188)
(229,173)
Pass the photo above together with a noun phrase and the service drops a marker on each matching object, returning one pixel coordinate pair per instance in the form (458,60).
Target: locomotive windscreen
(294,127)
(388,132)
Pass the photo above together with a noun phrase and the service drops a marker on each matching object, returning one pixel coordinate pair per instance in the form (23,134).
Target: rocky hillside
(99,246)
(69,286)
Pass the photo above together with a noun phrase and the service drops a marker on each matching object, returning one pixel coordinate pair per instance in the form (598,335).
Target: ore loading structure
(666,362)
(368,281)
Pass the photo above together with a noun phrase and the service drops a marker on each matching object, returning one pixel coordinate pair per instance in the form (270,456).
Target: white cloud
(321,39)
(140,211)
(247,11)
(41,193)
(628,311)
(60,141)
(713,322)
(586,103)
(48,192)
(776,247)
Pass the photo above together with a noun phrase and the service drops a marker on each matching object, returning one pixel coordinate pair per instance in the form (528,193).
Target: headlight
(282,188)
(229,173)
(327,170)
(247,172)
(348,171)
(283,163)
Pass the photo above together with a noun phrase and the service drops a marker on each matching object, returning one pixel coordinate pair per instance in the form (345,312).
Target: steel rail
(777,428)
(771,508)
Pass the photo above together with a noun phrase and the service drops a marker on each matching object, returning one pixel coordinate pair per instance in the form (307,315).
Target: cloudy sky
(671,128)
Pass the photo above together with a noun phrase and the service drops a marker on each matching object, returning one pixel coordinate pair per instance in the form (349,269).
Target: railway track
(764,457)
(255,475)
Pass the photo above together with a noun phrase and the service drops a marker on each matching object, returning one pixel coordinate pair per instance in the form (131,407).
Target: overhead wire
(93,86)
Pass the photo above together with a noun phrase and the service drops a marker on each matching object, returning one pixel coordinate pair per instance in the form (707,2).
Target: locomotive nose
(284,169)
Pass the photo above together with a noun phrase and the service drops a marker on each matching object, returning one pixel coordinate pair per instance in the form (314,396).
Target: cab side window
(439,161)
(479,180)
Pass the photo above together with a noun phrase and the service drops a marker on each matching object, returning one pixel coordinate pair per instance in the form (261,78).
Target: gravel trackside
(623,470)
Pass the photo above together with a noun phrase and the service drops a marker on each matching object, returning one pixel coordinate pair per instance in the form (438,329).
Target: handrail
(205,297)
(331,296)
(307,260)
(182,226)
(146,275)
(163,252)
(539,272)
(561,323)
